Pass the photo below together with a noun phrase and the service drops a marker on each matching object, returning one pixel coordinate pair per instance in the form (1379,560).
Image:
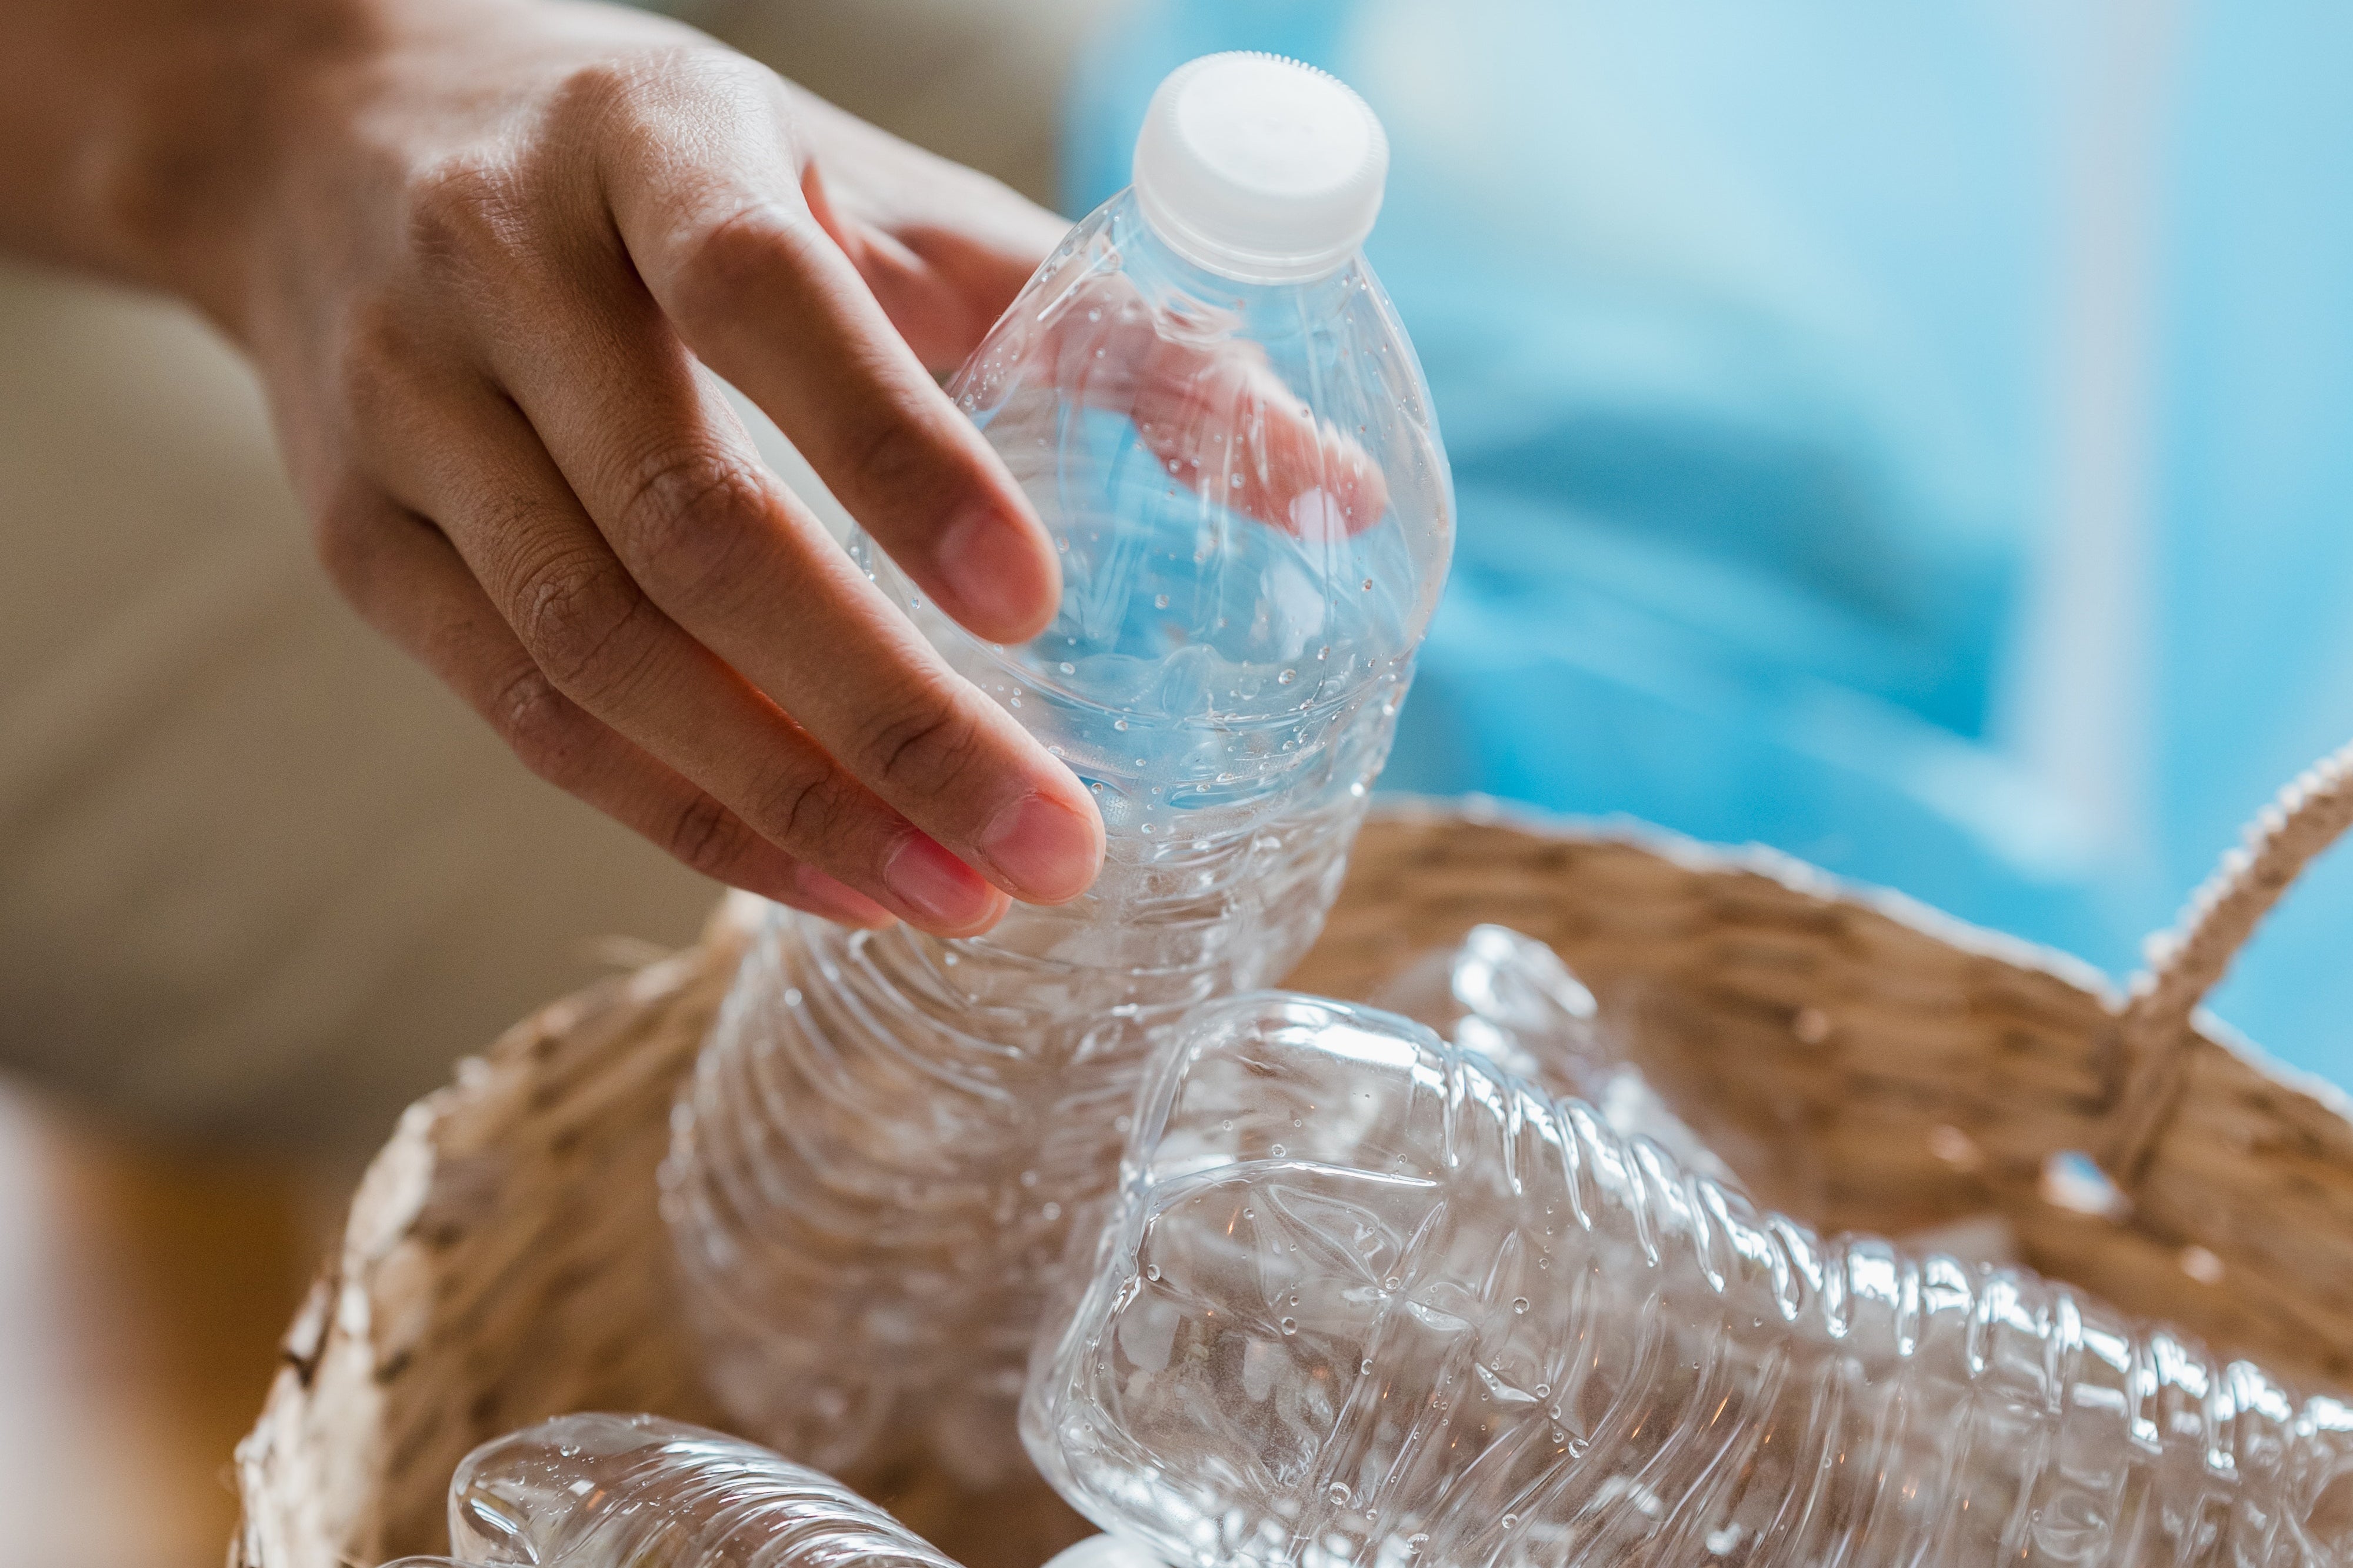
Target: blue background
(1758,338)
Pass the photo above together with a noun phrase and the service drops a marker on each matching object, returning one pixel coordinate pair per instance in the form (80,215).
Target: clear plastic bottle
(1365,1301)
(1210,402)
(1510,997)
(637,1492)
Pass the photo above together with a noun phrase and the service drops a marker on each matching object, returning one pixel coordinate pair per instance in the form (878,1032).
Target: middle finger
(491,487)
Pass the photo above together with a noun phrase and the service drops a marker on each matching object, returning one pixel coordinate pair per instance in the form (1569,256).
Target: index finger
(729,250)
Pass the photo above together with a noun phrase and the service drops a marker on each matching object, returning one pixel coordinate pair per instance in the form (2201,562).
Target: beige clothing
(260,875)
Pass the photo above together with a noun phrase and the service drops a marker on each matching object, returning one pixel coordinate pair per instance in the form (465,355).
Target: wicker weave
(1867,1063)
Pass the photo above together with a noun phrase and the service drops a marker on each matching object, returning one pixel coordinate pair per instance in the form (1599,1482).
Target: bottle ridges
(610,1491)
(1367,1301)
(876,1164)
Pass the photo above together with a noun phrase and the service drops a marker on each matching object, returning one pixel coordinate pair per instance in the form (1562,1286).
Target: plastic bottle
(637,1492)
(1511,998)
(1210,402)
(1363,1299)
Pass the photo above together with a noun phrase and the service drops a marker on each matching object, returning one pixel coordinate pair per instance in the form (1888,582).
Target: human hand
(485,245)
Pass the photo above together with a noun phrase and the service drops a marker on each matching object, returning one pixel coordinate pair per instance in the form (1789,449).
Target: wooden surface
(143,1291)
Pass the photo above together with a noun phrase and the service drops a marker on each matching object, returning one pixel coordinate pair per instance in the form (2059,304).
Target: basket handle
(2152,1034)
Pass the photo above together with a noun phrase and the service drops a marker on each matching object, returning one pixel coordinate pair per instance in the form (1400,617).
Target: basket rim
(1802,876)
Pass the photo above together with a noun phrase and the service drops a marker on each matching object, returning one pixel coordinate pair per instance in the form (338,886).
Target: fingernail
(837,901)
(990,565)
(1045,849)
(936,884)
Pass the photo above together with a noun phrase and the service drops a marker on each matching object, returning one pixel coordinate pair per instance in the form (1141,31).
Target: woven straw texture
(1866,1063)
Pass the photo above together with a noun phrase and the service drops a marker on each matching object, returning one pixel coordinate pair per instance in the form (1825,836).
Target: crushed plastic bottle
(1210,402)
(637,1492)
(1509,997)
(1365,1301)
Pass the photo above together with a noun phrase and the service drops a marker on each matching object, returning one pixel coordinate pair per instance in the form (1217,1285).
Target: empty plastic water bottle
(637,1492)
(1365,1301)
(1509,998)
(1211,405)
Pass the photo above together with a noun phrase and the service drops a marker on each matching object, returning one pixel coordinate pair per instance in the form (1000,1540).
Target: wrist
(183,162)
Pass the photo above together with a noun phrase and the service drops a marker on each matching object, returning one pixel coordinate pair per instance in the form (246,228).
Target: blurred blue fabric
(1759,337)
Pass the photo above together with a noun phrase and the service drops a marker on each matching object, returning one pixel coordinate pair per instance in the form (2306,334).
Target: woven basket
(1867,1064)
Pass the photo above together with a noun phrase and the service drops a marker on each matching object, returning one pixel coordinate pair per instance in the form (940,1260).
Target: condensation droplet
(1278,1151)
(1152,1271)
(1290,1325)
(1159,601)
(1519,1303)
(1067,668)
(1286,678)
(1119,723)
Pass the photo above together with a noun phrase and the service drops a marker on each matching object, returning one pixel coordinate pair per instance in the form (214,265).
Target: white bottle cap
(1260,168)
(1104,1551)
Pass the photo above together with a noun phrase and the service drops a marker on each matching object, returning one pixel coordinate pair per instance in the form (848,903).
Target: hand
(487,246)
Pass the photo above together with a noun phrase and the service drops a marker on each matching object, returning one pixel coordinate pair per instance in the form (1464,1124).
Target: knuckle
(342,536)
(798,809)
(573,612)
(543,727)
(705,834)
(925,750)
(376,358)
(736,258)
(465,210)
(691,517)
(899,465)
(598,88)
(647,87)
